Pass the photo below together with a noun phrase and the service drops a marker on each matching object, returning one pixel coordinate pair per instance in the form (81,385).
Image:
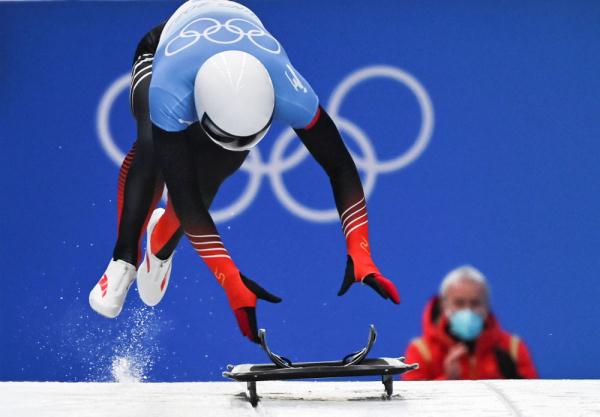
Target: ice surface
(563,398)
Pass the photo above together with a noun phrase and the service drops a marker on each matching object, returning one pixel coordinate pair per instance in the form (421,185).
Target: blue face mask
(466,324)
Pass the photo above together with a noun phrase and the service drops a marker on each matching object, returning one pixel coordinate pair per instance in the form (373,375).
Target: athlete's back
(200,29)
(197,8)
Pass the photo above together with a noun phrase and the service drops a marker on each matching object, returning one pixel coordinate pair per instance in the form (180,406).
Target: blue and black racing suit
(194,166)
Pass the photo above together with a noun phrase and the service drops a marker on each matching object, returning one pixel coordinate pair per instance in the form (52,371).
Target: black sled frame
(354,364)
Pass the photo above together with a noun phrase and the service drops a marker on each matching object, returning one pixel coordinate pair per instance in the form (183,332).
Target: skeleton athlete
(206,87)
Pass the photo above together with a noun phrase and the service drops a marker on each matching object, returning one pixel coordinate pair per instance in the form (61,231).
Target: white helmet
(234,99)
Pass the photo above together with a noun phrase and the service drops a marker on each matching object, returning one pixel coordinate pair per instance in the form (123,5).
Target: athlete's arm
(176,160)
(322,139)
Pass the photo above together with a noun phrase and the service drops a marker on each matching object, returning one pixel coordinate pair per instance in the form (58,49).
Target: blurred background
(475,125)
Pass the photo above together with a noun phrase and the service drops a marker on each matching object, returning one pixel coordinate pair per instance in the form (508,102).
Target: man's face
(465,293)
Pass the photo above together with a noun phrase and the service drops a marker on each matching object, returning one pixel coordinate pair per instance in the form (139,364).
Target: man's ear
(487,307)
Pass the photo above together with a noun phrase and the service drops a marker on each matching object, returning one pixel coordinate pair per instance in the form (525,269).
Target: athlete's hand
(246,315)
(367,273)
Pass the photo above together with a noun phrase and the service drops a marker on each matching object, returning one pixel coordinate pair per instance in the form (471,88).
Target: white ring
(103,118)
(427,123)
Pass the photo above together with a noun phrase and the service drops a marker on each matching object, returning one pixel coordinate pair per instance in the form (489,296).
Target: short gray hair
(464,272)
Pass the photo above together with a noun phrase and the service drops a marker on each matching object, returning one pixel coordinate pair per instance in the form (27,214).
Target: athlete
(219,79)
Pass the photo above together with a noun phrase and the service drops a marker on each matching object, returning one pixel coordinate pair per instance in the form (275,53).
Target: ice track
(560,398)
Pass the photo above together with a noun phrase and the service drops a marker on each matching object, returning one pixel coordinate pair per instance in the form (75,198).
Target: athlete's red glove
(360,266)
(367,273)
(241,291)
(246,314)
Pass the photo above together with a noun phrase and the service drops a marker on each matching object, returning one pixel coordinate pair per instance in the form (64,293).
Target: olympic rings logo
(369,163)
(211,30)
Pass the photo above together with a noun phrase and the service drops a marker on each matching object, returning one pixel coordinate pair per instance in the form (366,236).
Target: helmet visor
(229,141)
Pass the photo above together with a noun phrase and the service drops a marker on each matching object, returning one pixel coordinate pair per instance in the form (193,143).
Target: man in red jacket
(461,337)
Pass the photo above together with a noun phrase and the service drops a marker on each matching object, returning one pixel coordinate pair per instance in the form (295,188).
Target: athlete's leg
(140,188)
(140,184)
(163,233)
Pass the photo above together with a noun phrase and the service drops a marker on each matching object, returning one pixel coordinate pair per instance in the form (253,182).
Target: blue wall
(509,181)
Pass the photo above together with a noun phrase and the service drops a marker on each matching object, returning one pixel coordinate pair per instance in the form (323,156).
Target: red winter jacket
(496,354)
